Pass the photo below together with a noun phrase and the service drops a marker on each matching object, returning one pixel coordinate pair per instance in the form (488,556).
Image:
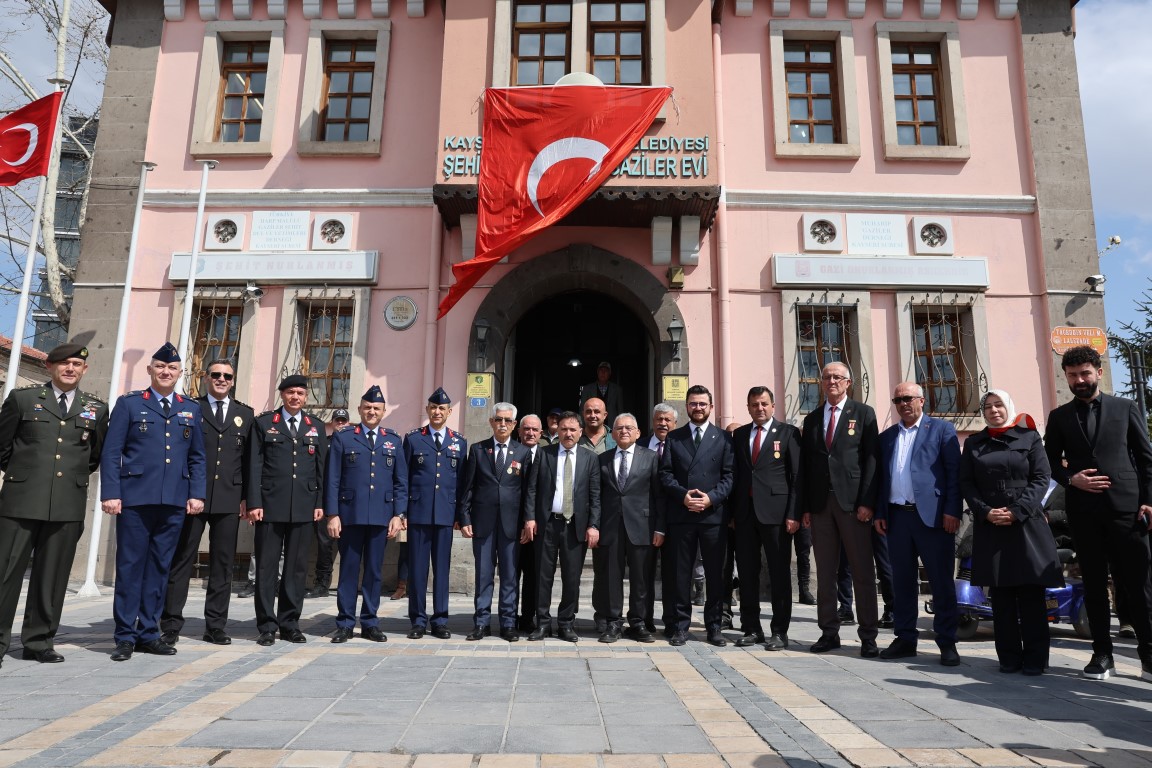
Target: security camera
(1095,281)
(1114,240)
(253,292)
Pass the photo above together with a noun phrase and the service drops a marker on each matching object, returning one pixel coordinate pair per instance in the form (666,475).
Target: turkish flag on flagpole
(26,137)
(546,149)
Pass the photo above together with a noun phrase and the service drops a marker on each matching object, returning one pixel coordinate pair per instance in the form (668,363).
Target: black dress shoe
(217,637)
(479,633)
(806,597)
(156,648)
(316,592)
(540,633)
(650,626)
(342,635)
(846,617)
(899,649)
(248,590)
(868,649)
(568,635)
(46,656)
(678,639)
(266,638)
(416,633)
(170,637)
(123,651)
(610,635)
(826,643)
(950,657)
(1010,669)
(293,636)
(717,639)
(776,643)
(754,638)
(886,620)
(441,632)
(668,631)
(375,634)
(641,634)
(509,634)
(526,624)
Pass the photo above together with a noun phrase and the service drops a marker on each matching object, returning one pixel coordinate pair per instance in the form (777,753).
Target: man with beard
(1108,477)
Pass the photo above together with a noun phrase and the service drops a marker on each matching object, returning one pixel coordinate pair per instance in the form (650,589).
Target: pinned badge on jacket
(775,449)
(852,426)
(238,421)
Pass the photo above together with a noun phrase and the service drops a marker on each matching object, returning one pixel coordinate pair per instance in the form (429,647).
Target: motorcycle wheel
(967,628)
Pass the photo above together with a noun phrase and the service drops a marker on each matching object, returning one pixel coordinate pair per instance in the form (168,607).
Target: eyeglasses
(628,428)
(503,420)
(699,405)
(904,399)
(833,377)
(221,375)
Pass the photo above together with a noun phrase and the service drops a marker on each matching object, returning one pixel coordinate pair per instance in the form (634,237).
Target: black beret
(293,380)
(64,351)
(167,353)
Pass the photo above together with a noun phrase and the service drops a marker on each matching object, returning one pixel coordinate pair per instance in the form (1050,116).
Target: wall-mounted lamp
(676,335)
(482,338)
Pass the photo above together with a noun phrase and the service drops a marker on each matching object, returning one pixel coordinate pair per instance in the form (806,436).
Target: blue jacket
(935,466)
(363,485)
(148,459)
(434,478)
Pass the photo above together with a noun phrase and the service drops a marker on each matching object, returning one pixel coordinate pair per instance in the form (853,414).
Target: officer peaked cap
(62,352)
(167,353)
(439,397)
(295,380)
(373,395)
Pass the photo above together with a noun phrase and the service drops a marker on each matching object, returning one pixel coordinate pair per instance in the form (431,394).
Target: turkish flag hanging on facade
(546,149)
(26,137)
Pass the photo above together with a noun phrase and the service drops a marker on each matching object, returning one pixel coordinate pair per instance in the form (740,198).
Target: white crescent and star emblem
(33,138)
(570,148)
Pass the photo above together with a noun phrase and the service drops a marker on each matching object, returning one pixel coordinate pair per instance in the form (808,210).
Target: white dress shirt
(901,491)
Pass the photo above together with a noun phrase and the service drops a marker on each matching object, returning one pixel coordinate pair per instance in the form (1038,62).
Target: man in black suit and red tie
(696,473)
(564,499)
(838,488)
(1104,441)
(764,509)
(490,515)
(631,525)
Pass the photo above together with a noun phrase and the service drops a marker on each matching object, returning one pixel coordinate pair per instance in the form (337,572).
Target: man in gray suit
(631,527)
(562,507)
(605,390)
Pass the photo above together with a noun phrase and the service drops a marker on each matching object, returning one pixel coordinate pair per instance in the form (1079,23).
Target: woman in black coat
(1004,476)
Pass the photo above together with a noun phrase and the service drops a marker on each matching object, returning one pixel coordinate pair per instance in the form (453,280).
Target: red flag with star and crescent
(26,137)
(546,149)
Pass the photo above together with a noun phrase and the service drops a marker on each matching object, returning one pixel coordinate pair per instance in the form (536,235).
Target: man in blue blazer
(918,508)
(697,473)
(365,501)
(491,515)
(435,456)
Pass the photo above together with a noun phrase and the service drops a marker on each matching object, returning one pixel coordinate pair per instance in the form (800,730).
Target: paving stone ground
(490,704)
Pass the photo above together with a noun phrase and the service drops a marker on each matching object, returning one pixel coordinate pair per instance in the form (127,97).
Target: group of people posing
(532,498)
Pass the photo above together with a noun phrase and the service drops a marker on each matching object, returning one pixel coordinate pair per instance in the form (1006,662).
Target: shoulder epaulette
(241,402)
(416,431)
(267,413)
(92,398)
(133,392)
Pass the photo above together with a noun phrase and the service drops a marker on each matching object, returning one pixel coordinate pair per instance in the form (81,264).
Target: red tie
(756,445)
(831,427)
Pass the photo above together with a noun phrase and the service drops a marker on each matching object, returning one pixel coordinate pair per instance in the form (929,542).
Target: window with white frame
(345,79)
(813,80)
(237,89)
(925,116)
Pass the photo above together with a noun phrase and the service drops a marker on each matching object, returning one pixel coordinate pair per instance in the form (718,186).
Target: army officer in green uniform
(50,439)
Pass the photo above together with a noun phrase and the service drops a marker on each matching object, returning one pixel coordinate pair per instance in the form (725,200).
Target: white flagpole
(30,265)
(89,588)
(189,290)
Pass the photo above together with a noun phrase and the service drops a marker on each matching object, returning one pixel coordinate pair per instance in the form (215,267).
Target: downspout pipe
(720,234)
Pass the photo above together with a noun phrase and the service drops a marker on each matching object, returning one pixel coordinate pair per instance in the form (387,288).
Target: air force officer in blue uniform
(152,473)
(435,456)
(365,500)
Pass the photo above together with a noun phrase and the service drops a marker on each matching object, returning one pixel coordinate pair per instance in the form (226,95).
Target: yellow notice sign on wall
(675,389)
(479,385)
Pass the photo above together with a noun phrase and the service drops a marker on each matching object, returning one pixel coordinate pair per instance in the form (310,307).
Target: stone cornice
(209,10)
(756,199)
(893,9)
(292,198)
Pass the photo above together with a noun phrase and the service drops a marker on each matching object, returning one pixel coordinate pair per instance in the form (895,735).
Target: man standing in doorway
(608,392)
(491,515)
(151,475)
(50,441)
(696,473)
(435,458)
(838,488)
(1108,477)
(596,437)
(226,424)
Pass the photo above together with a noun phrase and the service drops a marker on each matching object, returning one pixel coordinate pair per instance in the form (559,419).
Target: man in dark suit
(286,454)
(918,509)
(1108,477)
(526,570)
(838,492)
(50,441)
(664,418)
(767,462)
(696,473)
(226,423)
(564,500)
(326,547)
(631,525)
(491,515)
(607,391)
(435,457)
(365,501)
(151,475)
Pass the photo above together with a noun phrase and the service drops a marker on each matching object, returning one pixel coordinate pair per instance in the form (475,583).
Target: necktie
(1091,423)
(622,475)
(566,506)
(292,426)
(165,406)
(659,451)
(436,440)
(220,412)
(756,445)
(372,439)
(699,434)
(499,457)
(831,428)
(63,403)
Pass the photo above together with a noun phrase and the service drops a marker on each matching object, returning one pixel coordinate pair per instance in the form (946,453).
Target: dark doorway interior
(586,327)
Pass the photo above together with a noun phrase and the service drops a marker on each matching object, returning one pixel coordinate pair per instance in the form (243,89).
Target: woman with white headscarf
(1004,476)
